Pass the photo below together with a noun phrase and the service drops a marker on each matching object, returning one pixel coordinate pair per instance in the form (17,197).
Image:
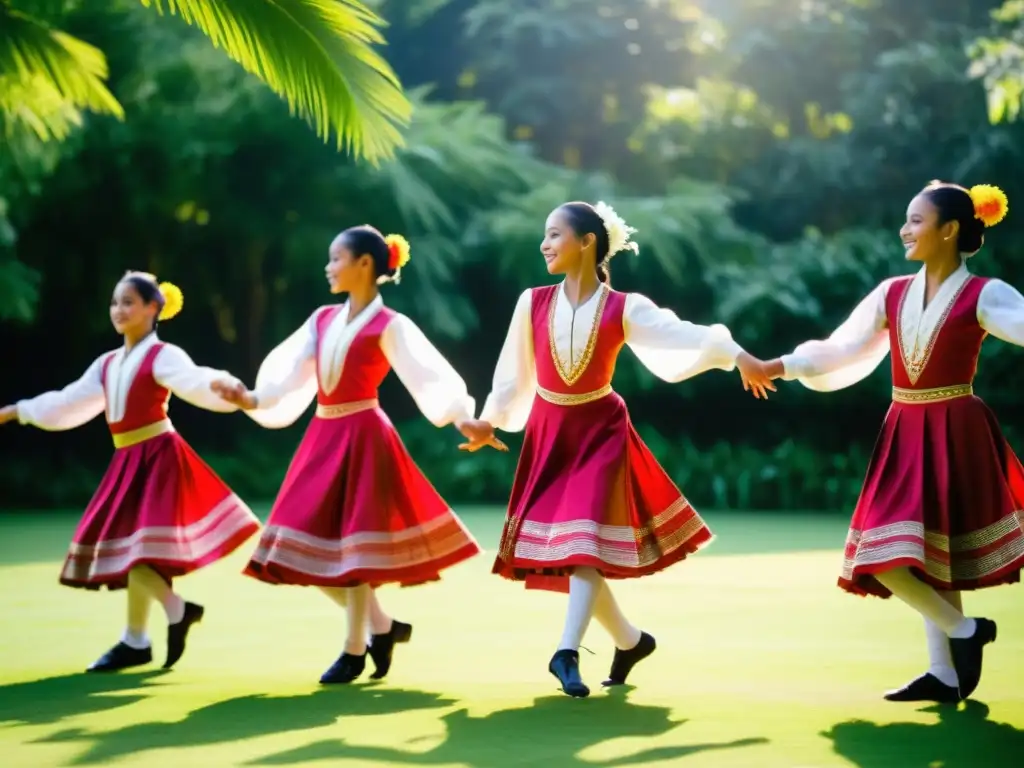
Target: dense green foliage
(765,150)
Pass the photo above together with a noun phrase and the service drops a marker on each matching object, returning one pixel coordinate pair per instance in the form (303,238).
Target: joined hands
(234,392)
(480,434)
(757,374)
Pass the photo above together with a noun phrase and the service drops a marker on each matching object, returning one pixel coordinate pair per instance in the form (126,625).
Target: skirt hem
(863,584)
(553,576)
(167,568)
(409,576)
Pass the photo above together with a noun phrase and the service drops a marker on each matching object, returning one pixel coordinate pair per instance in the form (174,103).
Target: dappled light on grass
(761,661)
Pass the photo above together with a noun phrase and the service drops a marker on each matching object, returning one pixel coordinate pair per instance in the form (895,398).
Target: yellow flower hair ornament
(174,300)
(990,204)
(398,255)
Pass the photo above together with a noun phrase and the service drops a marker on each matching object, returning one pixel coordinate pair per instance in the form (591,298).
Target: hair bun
(174,300)
(990,203)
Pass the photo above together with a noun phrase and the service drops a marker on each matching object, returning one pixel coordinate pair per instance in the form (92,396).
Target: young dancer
(354,511)
(160,511)
(589,501)
(940,511)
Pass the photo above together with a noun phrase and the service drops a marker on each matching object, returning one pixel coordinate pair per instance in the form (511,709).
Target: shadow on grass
(243,718)
(962,738)
(51,699)
(552,731)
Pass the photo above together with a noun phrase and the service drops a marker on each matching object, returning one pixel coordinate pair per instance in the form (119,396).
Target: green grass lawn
(762,663)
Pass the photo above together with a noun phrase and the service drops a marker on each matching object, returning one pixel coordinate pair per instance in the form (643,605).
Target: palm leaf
(318,56)
(47,76)
(38,106)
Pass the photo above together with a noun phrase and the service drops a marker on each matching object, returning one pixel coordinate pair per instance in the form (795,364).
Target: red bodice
(950,356)
(595,365)
(146,400)
(365,366)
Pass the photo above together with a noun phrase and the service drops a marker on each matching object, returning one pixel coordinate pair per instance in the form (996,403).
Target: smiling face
(562,247)
(129,313)
(344,270)
(923,236)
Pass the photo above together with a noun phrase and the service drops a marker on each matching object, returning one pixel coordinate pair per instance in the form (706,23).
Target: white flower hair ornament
(619,232)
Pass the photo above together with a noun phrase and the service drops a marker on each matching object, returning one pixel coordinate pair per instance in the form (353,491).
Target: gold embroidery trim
(914,366)
(558,398)
(142,434)
(936,395)
(345,409)
(577,370)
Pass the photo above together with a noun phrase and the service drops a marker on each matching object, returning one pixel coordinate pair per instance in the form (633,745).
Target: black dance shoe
(345,669)
(382,647)
(177,634)
(927,687)
(120,657)
(565,665)
(624,661)
(967,655)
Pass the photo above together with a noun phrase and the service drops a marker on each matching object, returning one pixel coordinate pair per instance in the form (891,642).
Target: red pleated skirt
(588,492)
(354,508)
(159,505)
(944,496)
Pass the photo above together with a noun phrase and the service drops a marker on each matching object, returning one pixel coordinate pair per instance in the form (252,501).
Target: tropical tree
(318,55)
(998,59)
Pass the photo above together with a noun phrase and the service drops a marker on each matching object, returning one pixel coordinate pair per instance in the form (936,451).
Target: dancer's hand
(755,376)
(774,368)
(479,434)
(10,413)
(235,393)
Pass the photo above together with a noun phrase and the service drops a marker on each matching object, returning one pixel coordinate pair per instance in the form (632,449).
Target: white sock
(358,619)
(940,657)
(610,616)
(926,601)
(339,595)
(964,629)
(380,622)
(134,639)
(160,590)
(584,585)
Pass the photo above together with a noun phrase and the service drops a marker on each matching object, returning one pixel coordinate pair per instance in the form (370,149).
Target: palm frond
(36,105)
(318,56)
(47,76)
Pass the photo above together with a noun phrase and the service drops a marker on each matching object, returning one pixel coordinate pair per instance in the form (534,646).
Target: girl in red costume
(160,511)
(354,511)
(589,501)
(940,511)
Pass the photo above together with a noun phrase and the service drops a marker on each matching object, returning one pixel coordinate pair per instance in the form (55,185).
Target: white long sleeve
(286,382)
(514,384)
(850,354)
(78,403)
(174,369)
(674,349)
(1001,312)
(440,393)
